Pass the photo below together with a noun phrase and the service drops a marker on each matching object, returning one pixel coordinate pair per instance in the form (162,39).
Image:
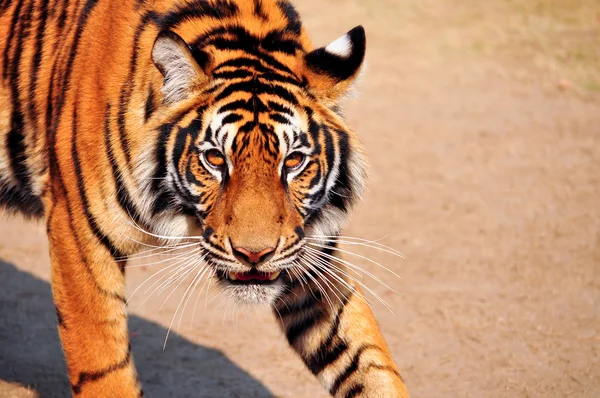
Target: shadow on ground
(30,352)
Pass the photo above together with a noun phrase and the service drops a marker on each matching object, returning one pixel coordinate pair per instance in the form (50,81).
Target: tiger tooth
(232,276)
(274,275)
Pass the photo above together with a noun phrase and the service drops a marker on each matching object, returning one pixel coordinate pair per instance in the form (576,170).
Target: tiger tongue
(252,275)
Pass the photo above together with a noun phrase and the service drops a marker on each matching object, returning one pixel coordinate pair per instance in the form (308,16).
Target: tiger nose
(253,258)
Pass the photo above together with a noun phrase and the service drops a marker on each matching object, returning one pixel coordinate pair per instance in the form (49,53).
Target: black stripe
(186,198)
(305,303)
(316,364)
(150,104)
(288,246)
(4,4)
(163,201)
(342,195)
(200,41)
(164,198)
(231,118)
(123,196)
(233,74)
(236,105)
(277,118)
(291,254)
(243,62)
(329,150)
(128,85)
(191,177)
(80,252)
(277,107)
(314,129)
(217,255)
(59,317)
(161,152)
(292,16)
(245,41)
(258,10)
(257,88)
(330,249)
(62,18)
(123,99)
(352,367)
(271,142)
(85,377)
(179,146)
(55,105)
(35,65)
(15,143)
(277,77)
(100,236)
(15,139)
(275,64)
(274,41)
(326,354)
(11,35)
(354,391)
(198,10)
(385,368)
(322,175)
(297,329)
(13,198)
(317,177)
(253,46)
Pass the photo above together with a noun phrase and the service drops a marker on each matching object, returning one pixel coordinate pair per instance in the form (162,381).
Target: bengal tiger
(209,122)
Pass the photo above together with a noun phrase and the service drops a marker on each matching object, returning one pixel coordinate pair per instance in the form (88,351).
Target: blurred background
(482,123)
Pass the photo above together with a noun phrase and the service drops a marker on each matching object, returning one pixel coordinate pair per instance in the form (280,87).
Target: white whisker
(354,279)
(197,279)
(162,251)
(183,279)
(152,276)
(355,240)
(353,265)
(325,266)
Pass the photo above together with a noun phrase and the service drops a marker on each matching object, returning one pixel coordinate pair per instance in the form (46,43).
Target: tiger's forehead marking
(263,125)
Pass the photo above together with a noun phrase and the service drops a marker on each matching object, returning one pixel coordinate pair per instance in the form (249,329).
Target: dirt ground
(482,123)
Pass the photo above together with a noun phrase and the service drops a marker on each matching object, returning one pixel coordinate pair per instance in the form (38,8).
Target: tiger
(210,122)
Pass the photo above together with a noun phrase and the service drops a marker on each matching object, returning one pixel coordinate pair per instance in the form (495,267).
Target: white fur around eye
(341,46)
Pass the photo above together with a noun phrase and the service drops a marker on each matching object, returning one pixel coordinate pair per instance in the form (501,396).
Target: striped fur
(109,115)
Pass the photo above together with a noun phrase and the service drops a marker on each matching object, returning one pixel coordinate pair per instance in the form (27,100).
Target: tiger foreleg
(336,334)
(88,290)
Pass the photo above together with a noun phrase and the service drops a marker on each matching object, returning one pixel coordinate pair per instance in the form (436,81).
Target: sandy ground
(482,122)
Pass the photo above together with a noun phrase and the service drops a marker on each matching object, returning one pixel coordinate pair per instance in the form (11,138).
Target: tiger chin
(210,125)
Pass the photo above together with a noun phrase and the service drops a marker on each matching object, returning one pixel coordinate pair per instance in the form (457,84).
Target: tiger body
(131,123)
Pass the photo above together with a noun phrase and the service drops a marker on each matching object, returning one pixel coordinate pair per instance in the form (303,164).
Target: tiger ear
(331,70)
(180,67)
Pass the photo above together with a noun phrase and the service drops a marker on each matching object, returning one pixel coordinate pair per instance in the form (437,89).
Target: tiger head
(254,149)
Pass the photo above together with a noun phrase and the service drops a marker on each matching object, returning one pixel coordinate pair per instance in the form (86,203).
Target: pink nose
(253,257)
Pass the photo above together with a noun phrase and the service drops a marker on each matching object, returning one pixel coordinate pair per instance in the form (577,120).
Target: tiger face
(257,154)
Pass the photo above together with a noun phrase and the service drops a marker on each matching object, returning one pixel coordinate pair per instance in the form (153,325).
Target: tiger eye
(294,160)
(215,158)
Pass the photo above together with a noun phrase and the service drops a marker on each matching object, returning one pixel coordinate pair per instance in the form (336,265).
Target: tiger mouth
(251,277)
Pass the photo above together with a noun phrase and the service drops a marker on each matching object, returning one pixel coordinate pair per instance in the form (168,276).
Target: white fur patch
(178,70)
(341,46)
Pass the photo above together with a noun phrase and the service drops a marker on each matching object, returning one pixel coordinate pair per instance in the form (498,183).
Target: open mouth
(252,277)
